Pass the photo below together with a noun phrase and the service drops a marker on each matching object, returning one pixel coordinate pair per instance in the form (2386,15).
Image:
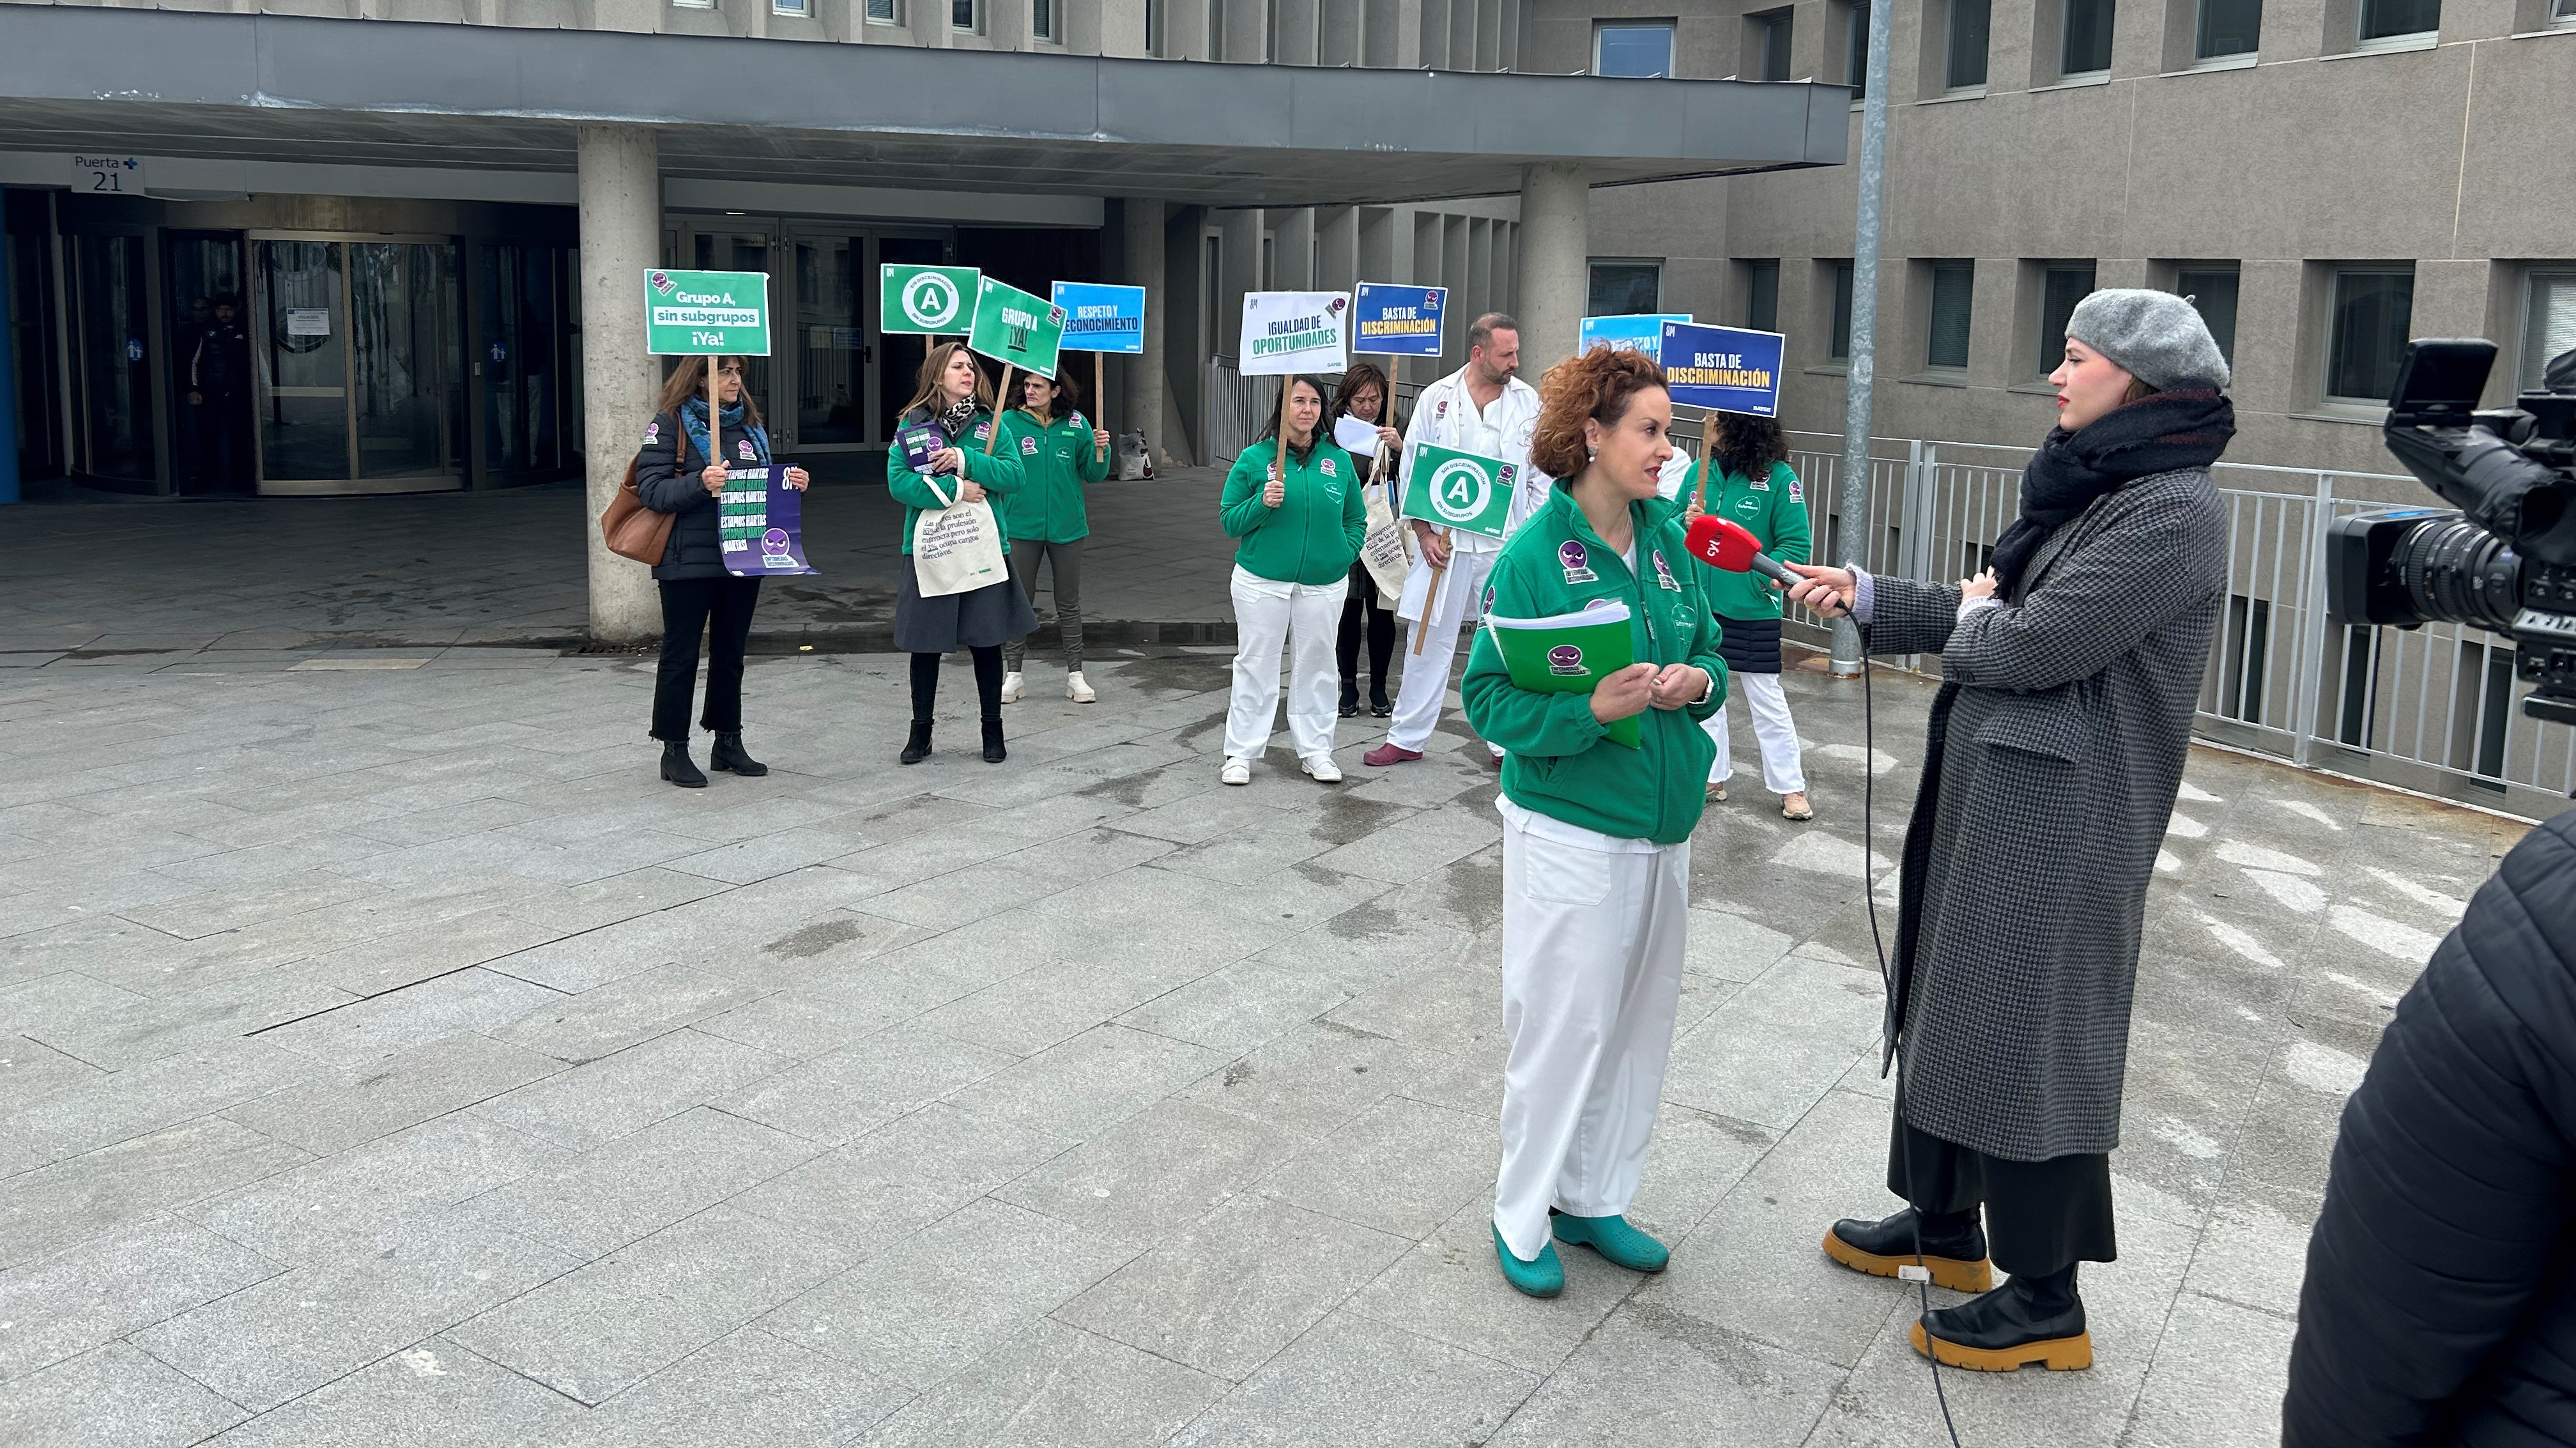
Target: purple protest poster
(760,524)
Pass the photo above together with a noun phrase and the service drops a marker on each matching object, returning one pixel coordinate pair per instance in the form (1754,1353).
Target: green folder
(1568,653)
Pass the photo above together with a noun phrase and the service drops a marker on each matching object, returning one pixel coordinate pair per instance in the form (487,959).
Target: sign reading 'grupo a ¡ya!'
(706,313)
(1732,369)
(1014,327)
(1287,332)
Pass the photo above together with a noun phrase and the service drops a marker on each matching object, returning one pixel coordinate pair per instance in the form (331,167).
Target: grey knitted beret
(2155,336)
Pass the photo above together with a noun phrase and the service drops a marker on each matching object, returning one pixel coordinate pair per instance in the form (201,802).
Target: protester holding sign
(1060,453)
(674,474)
(1297,509)
(943,458)
(1745,478)
(1596,829)
(1364,395)
(1480,408)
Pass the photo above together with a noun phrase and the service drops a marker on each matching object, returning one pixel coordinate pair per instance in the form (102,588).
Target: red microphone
(1725,543)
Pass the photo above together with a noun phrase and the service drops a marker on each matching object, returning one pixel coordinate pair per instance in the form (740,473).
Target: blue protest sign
(1100,318)
(1399,320)
(1732,369)
(1643,331)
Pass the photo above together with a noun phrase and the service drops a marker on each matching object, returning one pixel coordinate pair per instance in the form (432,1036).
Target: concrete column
(1144,371)
(621,237)
(1555,241)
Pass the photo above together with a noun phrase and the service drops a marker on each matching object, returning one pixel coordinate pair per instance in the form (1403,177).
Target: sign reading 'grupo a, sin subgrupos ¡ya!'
(706,313)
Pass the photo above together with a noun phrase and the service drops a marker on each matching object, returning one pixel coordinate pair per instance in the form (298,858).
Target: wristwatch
(1706,693)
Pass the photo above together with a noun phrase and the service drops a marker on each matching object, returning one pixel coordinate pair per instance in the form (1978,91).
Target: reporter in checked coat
(2069,674)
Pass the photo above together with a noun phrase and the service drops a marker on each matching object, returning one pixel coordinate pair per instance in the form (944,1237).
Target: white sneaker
(1013,686)
(1322,768)
(1236,771)
(1078,691)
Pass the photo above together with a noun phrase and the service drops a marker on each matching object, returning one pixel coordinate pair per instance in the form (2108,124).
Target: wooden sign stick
(715,415)
(1430,596)
(994,434)
(1099,400)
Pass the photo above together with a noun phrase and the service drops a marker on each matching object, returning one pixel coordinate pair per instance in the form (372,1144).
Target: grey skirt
(980,618)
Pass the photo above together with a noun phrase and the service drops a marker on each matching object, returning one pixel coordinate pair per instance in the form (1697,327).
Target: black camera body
(2506,560)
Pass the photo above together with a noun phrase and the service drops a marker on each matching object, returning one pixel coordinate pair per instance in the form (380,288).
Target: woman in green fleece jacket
(1301,532)
(1061,452)
(1596,835)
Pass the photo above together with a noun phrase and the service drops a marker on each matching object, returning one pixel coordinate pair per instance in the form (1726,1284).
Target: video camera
(2507,561)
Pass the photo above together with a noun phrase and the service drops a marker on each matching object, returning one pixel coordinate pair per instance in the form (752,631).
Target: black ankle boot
(1350,698)
(1379,705)
(917,748)
(677,766)
(1953,1247)
(728,755)
(994,753)
(2027,1320)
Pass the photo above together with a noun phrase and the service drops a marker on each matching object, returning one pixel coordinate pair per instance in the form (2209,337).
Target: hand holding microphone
(1725,543)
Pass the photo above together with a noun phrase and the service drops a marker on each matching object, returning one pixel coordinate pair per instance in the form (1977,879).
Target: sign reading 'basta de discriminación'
(1732,369)
(706,313)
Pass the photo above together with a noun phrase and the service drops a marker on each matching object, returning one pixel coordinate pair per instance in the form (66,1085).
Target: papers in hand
(1357,438)
(1598,611)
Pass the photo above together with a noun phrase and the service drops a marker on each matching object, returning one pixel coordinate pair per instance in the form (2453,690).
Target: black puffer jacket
(2440,1304)
(666,479)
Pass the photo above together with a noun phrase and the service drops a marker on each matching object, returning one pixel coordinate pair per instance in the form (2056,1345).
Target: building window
(1153,27)
(2228,28)
(2549,323)
(1762,295)
(1626,288)
(1216,29)
(1632,48)
(790,7)
(2061,286)
(1042,20)
(1856,47)
(2372,309)
(885,12)
(1766,44)
(693,4)
(965,15)
(2385,22)
(2562,12)
(1954,300)
(2084,41)
(2212,289)
(1270,32)
(1838,343)
(1965,68)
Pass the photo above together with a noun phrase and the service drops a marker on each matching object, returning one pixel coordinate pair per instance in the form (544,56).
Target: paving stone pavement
(388,1059)
(100,575)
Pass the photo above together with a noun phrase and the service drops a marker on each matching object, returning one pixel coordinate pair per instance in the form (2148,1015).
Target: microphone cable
(1887,982)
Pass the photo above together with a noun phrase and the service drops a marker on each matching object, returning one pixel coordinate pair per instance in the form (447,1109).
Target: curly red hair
(1597,386)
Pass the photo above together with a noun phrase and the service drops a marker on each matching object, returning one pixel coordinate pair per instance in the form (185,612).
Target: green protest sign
(1465,491)
(1016,328)
(706,313)
(925,299)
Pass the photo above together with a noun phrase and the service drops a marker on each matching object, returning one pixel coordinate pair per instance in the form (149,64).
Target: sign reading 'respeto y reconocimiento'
(706,313)
(1102,318)
(1732,369)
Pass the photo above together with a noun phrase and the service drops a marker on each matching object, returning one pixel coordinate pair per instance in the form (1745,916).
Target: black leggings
(1363,604)
(988,682)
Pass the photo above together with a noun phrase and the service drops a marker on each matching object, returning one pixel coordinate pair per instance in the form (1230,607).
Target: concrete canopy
(370,92)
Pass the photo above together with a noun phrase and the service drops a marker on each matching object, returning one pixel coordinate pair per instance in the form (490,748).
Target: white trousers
(1592,975)
(1303,617)
(1426,674)
(1773,729)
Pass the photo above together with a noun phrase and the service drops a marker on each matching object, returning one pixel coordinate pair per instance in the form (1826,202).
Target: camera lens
(2458,572)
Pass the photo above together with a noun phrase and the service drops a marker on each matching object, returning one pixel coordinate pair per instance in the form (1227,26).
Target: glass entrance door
(115,323)
(831,342)
(359,372)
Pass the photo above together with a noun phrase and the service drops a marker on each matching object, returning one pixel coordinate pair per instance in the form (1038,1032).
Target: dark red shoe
(1386,754)
(1495,761)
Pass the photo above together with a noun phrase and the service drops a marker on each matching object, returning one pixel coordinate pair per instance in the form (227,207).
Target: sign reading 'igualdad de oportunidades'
(1293,332)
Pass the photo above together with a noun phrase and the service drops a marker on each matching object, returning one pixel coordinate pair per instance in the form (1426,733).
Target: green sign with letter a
(926,300)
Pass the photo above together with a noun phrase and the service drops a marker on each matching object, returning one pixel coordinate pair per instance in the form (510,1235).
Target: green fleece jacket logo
(1559,764)
(1058,462)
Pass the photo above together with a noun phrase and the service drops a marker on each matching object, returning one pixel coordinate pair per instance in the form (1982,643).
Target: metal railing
(2436,709)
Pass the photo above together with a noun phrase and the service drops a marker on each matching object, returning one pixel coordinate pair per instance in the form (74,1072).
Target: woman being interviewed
(1596,835)
(675,475)
(954,397)
(1301,528)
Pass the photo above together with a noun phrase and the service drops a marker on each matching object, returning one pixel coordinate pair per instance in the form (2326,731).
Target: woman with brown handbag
(675,475)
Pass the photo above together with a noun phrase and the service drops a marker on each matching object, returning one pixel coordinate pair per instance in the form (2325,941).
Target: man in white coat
(1480,408)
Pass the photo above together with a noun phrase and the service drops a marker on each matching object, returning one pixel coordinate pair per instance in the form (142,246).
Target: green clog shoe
(1544,1277)
(1613,1238)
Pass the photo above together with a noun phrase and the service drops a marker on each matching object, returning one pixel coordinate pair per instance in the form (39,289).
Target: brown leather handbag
(633,530)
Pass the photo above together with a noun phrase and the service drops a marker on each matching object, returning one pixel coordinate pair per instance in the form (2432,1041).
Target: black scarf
(2162,433)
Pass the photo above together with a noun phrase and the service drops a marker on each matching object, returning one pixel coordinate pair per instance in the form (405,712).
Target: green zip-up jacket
(1313,536)
(1559,764)
(998,471)
(1058,462)
(1773,509)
